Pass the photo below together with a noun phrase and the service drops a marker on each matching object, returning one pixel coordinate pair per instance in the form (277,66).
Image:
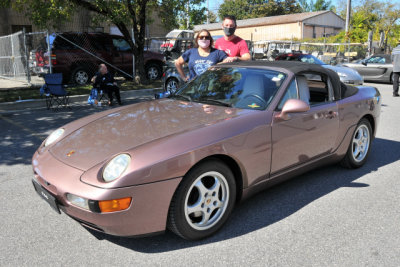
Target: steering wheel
(263,102)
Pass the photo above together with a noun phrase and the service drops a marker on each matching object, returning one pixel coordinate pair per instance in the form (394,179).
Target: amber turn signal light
(115,204)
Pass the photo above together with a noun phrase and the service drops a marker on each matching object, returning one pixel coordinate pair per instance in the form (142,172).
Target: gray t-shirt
(396,59)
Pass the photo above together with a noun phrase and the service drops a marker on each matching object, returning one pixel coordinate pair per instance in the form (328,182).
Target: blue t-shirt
(198,64)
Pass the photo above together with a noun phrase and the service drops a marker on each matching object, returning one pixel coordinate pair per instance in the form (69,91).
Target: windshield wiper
(215,101)
(187,98)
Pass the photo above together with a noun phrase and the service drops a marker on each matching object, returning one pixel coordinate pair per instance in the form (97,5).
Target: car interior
(312,88)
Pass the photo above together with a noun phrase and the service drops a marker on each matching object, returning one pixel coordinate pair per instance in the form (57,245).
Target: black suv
(78,55)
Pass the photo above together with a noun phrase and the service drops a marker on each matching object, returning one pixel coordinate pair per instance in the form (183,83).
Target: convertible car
(183,162)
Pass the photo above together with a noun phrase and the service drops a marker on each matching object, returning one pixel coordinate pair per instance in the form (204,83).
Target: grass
(34,93)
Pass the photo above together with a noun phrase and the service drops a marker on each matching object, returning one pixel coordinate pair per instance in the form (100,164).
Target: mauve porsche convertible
(183,162)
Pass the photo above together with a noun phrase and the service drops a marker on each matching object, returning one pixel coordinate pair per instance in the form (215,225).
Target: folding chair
(103,97)
(56,95)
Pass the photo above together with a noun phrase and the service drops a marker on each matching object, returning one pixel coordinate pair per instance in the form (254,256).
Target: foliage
(173,13)
(242,9)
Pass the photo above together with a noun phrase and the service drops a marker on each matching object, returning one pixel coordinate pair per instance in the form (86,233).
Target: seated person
(104,81)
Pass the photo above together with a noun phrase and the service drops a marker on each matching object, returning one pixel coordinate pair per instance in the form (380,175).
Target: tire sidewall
(176,82)
(353,162)
(159,70)
(73,77)
(185,230)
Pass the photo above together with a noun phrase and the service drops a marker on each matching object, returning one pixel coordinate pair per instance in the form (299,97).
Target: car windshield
(173,34)
(311,59)
(245,88)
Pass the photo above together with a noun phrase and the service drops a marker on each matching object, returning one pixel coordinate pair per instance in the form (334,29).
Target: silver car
(377,68)
(347,75)
(171,78)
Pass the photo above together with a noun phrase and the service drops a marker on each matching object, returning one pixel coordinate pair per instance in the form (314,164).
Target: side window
(121,44)
(318,89)
(291,93)
(376,59)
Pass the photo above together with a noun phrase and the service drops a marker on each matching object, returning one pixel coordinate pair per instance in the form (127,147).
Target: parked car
(183,162)
(378,68)
(177,42)
(171,79)
(347,75)
(78,55)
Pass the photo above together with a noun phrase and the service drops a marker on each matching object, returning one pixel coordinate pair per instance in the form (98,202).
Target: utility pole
(187,15)
(208,12)
(348,14)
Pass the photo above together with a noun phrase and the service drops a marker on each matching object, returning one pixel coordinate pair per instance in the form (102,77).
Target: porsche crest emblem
(69,154)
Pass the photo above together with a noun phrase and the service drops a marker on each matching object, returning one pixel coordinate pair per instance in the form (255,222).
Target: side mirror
(364,62)
(292,106)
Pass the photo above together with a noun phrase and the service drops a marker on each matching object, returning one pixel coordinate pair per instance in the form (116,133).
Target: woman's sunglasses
(204,37)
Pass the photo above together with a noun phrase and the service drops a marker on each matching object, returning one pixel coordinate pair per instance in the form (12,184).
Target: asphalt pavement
(327,217)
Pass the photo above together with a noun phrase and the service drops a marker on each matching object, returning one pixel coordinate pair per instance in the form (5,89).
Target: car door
(375,67)
(307,135)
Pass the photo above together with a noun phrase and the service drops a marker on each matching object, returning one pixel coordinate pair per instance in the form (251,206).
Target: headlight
(116,167)
(54,136)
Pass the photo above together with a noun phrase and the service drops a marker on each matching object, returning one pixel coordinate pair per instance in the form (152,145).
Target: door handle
(331,114)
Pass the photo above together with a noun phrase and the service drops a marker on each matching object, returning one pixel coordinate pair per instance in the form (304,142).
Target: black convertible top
(296,68)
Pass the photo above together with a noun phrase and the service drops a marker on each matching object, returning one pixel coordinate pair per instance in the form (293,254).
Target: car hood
(133,126)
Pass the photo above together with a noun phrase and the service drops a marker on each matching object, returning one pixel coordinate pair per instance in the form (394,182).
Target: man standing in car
(233,45)
(396,69)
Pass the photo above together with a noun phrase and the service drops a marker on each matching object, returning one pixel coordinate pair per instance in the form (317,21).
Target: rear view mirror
(292,106)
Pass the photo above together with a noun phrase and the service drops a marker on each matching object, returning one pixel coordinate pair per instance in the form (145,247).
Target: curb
(75,99)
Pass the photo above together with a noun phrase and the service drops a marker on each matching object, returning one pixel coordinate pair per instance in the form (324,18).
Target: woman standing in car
(199,58)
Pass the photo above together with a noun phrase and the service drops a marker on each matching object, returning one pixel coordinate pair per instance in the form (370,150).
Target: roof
(296,67)
(282,19)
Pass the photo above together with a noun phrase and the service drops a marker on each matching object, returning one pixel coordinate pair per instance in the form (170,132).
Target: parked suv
(78,55)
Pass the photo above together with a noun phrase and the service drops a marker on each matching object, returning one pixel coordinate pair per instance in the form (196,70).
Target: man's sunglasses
(204,37)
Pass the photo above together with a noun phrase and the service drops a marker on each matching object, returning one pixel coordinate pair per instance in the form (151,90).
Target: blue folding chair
(56,93)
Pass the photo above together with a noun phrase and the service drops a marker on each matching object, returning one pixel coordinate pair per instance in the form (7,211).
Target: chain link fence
(27,57)
(13,60)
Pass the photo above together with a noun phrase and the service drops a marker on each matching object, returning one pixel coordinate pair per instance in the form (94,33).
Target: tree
(125,14)
(322,5)
(387,21)
(173,13)
(242,9)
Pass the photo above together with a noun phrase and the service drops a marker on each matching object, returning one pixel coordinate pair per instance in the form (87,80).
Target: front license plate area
(43,193)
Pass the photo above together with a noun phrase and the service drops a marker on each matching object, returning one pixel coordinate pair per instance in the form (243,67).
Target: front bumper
(147,213)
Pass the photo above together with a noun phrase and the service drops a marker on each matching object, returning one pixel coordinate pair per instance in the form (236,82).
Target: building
(286,27)
(12,21)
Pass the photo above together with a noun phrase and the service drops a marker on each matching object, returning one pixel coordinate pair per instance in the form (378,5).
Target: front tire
(203,201)
(359,147)
(172,85)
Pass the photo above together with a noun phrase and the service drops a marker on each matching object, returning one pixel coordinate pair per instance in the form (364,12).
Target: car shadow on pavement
(274,204)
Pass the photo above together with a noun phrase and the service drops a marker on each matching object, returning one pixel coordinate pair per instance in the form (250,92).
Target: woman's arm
(179,66)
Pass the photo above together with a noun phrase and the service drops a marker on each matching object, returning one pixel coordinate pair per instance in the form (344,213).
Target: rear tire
(203,201)
(80,75)
(359,147)
(153,71)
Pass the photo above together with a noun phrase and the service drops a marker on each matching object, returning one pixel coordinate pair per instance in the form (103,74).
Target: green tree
(173,13)
(242,9)
(322,5)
